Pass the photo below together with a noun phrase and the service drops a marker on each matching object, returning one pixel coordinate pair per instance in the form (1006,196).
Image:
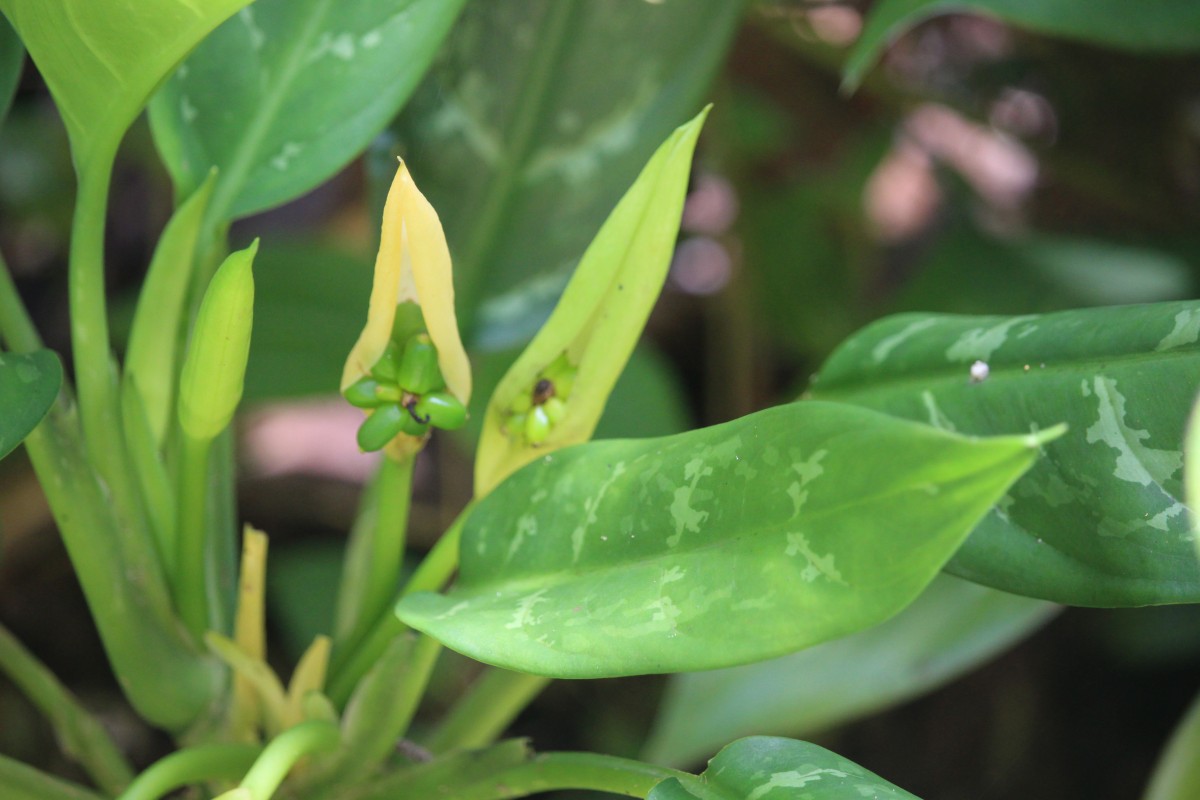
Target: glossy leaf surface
(524,145)
(288,91)
(103,58)
(769,768)
(1099,521)
(952,627)
(716,547)
(29,382)
(1152,25)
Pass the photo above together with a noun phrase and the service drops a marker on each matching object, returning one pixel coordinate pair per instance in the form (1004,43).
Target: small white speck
(979,372)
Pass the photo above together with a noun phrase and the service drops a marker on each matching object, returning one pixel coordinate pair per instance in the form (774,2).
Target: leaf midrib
(495,206)
(244,154)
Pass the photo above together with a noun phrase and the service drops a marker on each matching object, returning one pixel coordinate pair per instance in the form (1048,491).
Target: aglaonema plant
(797,525)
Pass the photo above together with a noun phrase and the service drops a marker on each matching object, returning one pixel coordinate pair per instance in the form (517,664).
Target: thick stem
(554,771)
(168,680)
(492,703)
(431,575)
(95,368)
(379,714)
(189,568)
(284,751)
(224,762)
(371,575)
(81,736)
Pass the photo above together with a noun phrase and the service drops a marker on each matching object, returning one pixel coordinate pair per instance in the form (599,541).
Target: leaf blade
(29,384)
(1100,520)
(622,574)
(781,769)
(103,58)
(289,91)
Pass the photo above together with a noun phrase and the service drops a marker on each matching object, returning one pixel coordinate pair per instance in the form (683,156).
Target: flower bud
(210,387)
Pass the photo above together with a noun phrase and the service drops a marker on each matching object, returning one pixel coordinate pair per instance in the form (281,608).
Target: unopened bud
(210,387)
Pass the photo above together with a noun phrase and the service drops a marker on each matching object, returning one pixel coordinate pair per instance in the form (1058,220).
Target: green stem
(212,762)
(379,713)
(16,326)
(492,703)
(431,575)
(376,552)
(81,736)
(554,771)
(95,368)
(284,751)
(188,563)
(168,680)
(23,782)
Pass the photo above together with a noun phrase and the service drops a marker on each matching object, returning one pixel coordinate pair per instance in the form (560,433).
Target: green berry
(384,370)
(443,410)
(412,424)
(554,409)
(362,393)
(537,425)
(418,371)
(381,427)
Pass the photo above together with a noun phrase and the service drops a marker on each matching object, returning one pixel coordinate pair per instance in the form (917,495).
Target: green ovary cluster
(534,414)
(407,394)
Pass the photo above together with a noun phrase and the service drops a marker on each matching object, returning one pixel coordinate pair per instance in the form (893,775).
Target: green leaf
(288,92)
(1097,522)
(524,143)
(952,627)
(103,58)
(153,351)
(780,769)
(717,547)
(12,56)
(1162,26)
(29,382)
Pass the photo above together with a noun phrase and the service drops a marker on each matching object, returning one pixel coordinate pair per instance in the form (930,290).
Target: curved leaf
(768,768)
(103,58)
(12,56)
(525,145)
(717,547)
(289,91)
(1097,522)
(952,627)
(29,382)
(1171,26)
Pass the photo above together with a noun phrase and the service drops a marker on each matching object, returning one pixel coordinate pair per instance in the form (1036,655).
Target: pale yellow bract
(413,265)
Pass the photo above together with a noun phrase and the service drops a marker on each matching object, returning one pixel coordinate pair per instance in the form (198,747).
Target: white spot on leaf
(1185,332)
(1135,462)
(886,345)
